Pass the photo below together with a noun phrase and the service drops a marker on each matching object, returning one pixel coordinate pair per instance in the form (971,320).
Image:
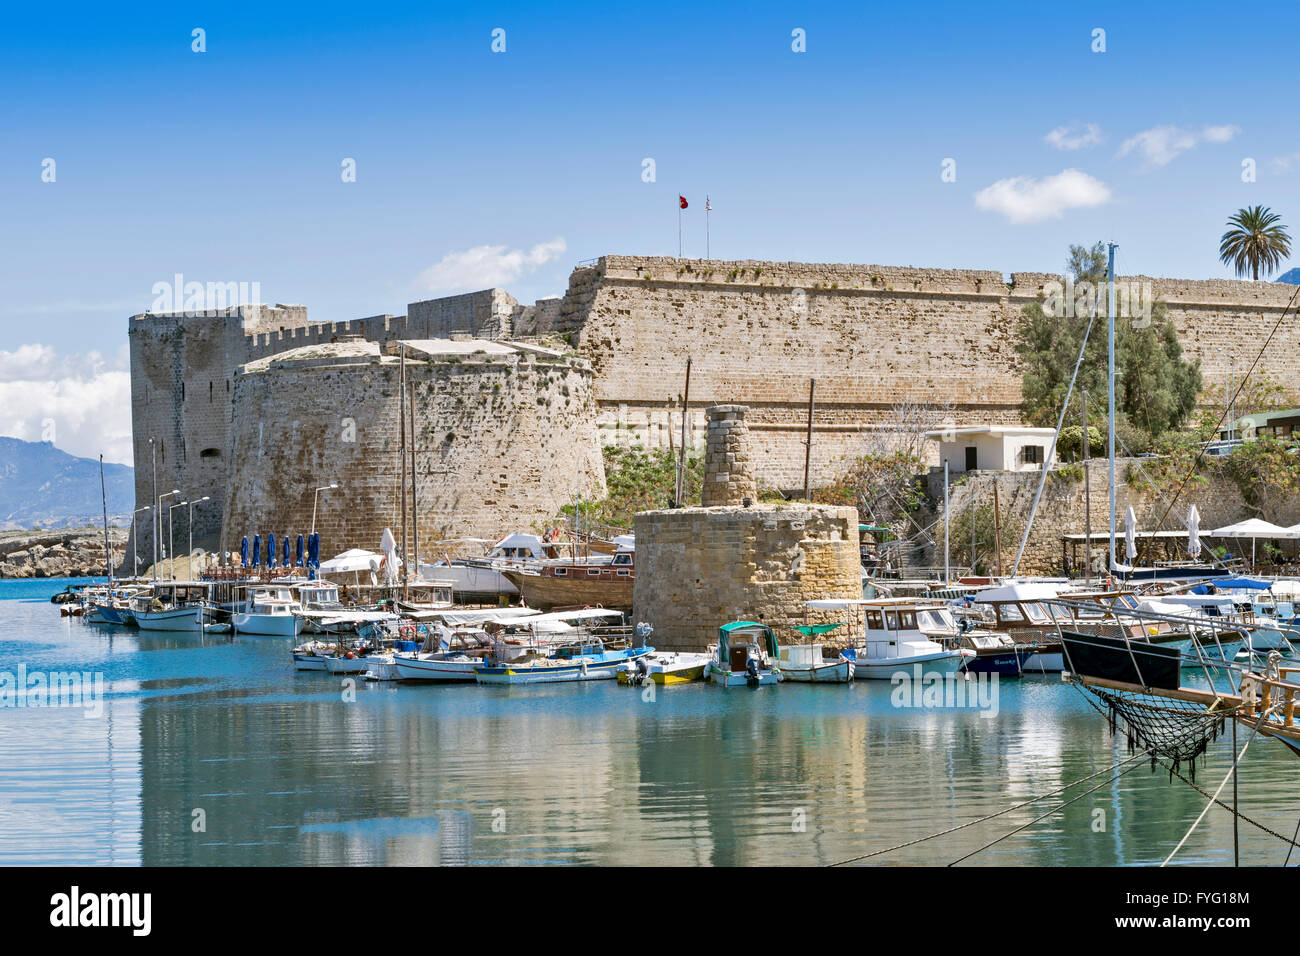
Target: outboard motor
(640,671)
(751,672)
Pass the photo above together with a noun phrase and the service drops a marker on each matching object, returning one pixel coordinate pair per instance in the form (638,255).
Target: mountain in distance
(41,486)
(1291,275)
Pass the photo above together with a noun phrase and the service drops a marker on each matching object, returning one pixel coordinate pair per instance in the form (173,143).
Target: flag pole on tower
(681,204)
(708,208)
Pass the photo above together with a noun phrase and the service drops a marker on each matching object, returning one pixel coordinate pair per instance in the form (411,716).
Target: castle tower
(731,558)
(728,471)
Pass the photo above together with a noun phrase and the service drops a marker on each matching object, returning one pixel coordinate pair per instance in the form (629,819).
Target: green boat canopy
(811,630)
(726,630)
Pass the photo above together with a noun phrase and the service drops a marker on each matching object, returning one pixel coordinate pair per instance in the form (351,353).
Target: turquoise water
(281,767)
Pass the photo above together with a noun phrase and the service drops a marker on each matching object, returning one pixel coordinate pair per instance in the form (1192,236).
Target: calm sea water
(214,751)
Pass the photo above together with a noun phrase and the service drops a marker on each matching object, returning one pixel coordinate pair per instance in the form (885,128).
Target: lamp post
(315,498)
(135,536)
(1228,396)
(174,491)
(171,544)
(191,551)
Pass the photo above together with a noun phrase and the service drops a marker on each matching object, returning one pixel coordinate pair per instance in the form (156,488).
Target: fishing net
(1178,730)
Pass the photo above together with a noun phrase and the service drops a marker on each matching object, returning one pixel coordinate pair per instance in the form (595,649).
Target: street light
(315,498)
(1228,396)
(192,504)
(135,537)
(174,491)
(171,547)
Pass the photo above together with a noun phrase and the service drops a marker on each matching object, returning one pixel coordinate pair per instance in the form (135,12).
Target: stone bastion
(504,436)
(698,568)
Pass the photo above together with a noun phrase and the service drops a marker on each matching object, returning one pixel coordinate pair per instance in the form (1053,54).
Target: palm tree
(1256,239)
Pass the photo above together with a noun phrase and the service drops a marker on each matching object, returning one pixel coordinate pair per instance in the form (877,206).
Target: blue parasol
(270,550)
(287,562)
(243,552)
(257,550)
(298,551)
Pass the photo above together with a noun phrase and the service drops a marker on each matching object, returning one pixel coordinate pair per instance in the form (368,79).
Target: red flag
(682,200)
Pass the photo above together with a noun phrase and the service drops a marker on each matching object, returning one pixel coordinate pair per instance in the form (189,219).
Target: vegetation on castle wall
(637,479)
(1158,390)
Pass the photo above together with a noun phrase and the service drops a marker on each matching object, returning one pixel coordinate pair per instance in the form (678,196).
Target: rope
(971,823)
(1052,811)
(1226,777)
(1240,385)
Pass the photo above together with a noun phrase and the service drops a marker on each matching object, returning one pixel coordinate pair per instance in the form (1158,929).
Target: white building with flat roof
(990,448)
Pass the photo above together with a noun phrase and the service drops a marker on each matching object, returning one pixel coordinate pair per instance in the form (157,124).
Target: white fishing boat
(892,641)
(746,655)
(584,660)
(173,606)
(806,663)
(268,610)
(311,656)
(323,613)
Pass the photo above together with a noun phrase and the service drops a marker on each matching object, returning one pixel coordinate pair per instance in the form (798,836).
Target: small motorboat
(807,663)
(746,655)
(665,668)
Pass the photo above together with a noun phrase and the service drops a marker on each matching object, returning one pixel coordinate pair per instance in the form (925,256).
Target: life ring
(406,630)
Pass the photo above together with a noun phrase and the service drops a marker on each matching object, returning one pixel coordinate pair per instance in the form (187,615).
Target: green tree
(1156,388)
(1257,239)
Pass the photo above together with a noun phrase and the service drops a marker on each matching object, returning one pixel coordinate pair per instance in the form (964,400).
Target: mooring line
(1019,806)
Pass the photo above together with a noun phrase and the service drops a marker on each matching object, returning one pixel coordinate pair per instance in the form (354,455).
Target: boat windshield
(1036,613)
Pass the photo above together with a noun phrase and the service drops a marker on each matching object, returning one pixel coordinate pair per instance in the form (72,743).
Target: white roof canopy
(1255,528)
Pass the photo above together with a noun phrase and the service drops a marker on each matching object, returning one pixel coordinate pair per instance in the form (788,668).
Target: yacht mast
(1110,346)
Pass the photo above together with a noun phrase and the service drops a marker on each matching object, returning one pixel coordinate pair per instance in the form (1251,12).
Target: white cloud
(1074,137)
(1159,145)
(1024,199)
(1284,164)
(86,397)
(484,267)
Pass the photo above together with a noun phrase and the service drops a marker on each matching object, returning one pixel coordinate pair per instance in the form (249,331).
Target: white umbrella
(388,544)
(1194,533)
(1254,529)
(1130,532)
(354,559)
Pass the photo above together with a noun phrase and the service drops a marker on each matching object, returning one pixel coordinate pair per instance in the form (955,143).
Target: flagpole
(679,228)
(707,209)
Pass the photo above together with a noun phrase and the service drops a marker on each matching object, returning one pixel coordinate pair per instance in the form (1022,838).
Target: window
(1033,454)
(561,572)
(210,453)
(873,621)
(1009,612)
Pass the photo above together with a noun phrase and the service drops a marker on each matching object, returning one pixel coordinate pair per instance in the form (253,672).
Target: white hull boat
(171,619)
(437,667)
(267,625)
(805,663)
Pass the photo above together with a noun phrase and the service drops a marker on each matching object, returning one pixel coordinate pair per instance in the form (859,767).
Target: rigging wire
(1240,385)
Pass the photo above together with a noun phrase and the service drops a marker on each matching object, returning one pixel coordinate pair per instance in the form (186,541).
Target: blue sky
(476,168)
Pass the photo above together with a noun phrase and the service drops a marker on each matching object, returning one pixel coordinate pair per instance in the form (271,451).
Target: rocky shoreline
(63,553)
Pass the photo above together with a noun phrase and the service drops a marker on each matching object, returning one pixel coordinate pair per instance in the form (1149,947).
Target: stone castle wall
(872,336)
(503,438)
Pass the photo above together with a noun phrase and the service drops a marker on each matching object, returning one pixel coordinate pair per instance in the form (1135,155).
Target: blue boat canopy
(1242,584)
